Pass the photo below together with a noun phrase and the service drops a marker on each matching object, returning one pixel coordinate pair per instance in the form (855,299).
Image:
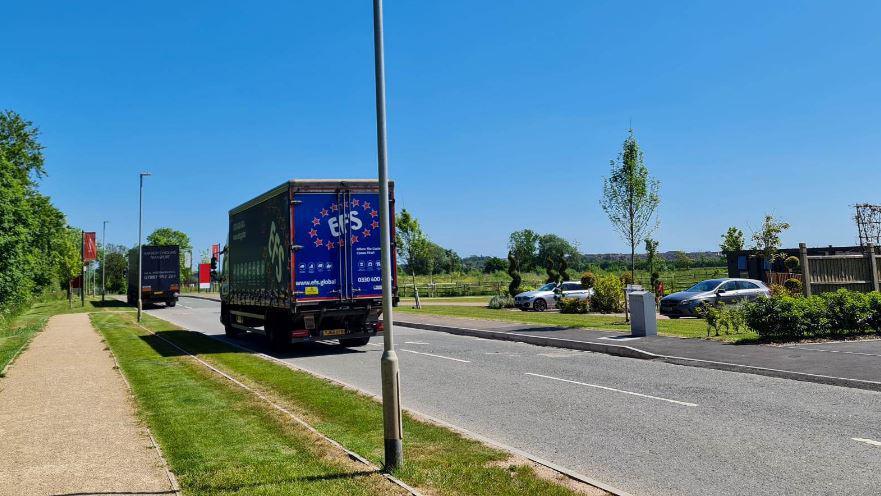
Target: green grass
(447,299)
(17,333)
(687,328)
(216,438)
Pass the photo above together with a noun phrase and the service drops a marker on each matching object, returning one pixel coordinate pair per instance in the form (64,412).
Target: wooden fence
(853,271)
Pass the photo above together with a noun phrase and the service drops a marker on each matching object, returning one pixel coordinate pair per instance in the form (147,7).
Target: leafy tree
(682,260)
(410,240)
(68,246)
(494,264)
(555,253)
(115,278)
(169,236)
(732,240)
(651,253)
(524,245)
(767,238)
(630,197)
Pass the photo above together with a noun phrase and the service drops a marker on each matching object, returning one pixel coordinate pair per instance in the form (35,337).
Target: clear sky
(503,115)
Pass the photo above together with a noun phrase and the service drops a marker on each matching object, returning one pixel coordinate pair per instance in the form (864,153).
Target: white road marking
(374,344)
(683,403)
(415,342)
(867,441)
(437,356)
(616,338)
(835,351)
(184,306)
(559,355)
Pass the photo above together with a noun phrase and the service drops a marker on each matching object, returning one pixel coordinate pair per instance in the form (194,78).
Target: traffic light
(213,268)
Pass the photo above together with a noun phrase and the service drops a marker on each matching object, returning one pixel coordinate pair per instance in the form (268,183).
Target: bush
(588,280)
(499,302)
(573,305)
(791,263)
(718,317)
(776,318)
(793,286)
(626,278)
(778,290)
(875,311)
(608,294)
(847,311)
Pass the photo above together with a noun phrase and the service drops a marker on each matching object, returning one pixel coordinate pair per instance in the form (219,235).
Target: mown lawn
(218,439)
(16,334)
(687,328)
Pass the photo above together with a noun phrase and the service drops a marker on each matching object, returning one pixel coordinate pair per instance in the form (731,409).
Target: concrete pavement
(644,426)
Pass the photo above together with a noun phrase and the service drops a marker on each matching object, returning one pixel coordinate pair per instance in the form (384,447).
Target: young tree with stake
(630,197)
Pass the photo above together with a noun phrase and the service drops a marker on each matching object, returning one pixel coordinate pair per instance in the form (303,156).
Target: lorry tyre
(171,303)
(354,342)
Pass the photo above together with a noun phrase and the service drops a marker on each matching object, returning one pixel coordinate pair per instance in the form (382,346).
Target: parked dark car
(727,290)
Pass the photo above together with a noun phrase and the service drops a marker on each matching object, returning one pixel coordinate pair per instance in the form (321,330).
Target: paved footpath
(851,364)
(67,420)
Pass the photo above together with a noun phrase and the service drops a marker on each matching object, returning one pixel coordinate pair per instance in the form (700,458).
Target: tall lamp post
(103,258)
(391,399)
(140,225)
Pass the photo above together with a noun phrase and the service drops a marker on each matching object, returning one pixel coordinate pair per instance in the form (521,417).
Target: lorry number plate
(311,290)
(334,332)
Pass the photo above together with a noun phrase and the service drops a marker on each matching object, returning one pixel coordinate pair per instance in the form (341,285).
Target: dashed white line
(835,351)
(867,441)
(437,356)
(683,403)
(415,342)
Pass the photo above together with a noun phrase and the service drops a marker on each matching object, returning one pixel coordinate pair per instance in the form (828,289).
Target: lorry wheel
(276,340)
(354,342)
(171,303)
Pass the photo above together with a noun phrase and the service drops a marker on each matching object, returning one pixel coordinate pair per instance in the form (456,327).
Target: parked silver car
(726,290)
(546,296)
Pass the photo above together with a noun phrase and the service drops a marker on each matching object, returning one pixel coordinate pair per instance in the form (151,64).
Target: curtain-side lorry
(160,275)
(303,263)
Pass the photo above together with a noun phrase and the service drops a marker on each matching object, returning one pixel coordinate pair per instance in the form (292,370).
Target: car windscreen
(548,287)
(702,286)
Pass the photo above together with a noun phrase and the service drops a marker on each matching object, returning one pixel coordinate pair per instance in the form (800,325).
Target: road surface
(645,427)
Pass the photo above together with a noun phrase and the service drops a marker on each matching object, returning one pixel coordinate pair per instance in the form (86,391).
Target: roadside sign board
(204,276)
(90,248)
(215,251)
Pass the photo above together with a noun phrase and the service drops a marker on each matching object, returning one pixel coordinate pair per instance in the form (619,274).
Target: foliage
(573,305)
(682,260)
(630,196)
(555,253)
(651,252)
(778,290)
(494,264)
(169,236)
(793,286)
(626,278)
(767,239)
(588,279)
(514,272)
(116,264)
(608,294)
(732,240)
(828,315)
(499,302)
(32,230)
(792,263)
(524,245)
(410,240)
(720,316)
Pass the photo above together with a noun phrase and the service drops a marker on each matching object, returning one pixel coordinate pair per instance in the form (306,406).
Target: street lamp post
(103,258)
(391,399)
(140,225)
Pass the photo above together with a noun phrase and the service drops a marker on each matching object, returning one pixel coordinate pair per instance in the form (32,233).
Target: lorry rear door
(339,245)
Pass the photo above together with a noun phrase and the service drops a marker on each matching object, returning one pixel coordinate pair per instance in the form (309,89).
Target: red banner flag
(204,276)
(90,247)
(215,251)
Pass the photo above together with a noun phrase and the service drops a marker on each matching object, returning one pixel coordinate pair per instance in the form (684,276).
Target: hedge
(827,315)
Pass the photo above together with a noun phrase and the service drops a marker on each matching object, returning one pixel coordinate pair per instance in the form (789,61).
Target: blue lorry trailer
(303,263)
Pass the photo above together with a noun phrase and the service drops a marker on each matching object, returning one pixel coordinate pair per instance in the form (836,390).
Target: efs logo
(276,252)
(338,224)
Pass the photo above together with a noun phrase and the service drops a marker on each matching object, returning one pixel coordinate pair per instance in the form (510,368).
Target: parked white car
(546,296)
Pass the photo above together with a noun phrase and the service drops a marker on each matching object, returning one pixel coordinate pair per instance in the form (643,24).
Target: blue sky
(502,115)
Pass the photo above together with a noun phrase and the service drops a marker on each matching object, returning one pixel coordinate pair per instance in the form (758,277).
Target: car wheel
(540,305)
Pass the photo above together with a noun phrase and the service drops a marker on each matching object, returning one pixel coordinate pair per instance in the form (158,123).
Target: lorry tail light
(146,288)
(299,333)
(174,287)
(379,326)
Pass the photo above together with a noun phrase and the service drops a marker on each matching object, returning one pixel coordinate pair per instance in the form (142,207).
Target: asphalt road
(644,427)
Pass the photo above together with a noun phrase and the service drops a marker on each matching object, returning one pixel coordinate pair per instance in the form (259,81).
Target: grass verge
(216,438)
(16,334)
(687,328)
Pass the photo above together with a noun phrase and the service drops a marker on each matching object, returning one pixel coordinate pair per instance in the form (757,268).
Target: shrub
(793,286)
(718,317)
(778,290)
(573,305)
(626,278)
(875,311)
(775,318)
(608,294)
(791,263)
(499,302)
(847,311)
(588,280)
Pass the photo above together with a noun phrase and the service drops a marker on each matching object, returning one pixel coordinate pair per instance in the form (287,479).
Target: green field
(686,328)
(220,439)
